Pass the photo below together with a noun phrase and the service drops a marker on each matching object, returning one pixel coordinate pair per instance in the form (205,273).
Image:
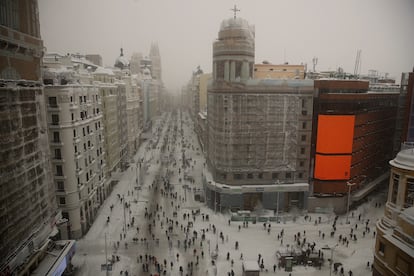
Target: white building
(75,128)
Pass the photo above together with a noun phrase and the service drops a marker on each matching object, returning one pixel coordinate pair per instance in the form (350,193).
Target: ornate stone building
(394,246)
(259,130)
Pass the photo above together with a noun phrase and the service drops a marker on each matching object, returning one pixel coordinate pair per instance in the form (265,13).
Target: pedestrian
(274,268)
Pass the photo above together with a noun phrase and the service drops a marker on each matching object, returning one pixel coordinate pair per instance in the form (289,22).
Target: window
(56,137)
(224,176)
(59,170)
(80,99)
(275,175)
(402,266)
(55,119)
(303,138)
(84,99)
(9,11)
(60,186)
(395,180)
(249,175)
(304,112)
(302,150)
(381,248)
(58,154)
(303,125)
(301,164)
(65,215)
(74,133)
(52,102)
(300,175)
(303,103)
(84,146)
(71,99)
(73,117)
(409,193)
(83,130)
(87,176)
(288,175)
(89,144)
(87,129)
(238,176)
(260,175)
(62,200)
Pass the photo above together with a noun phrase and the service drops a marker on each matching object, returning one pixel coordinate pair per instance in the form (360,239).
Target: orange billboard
(332,167)
(335,134)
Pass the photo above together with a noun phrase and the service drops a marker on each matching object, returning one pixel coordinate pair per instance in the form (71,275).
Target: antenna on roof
(235,10)
(357,67)
(314,61)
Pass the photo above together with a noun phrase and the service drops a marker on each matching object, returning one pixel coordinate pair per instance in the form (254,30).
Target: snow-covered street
(161,227)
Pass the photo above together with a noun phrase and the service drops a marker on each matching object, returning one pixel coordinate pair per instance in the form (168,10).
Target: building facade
(394,246)
(28,210)
(76,143)
(279,71)
(352,140)
(259,131)
(76,131)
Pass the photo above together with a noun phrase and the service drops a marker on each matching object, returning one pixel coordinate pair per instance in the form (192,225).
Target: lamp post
(349,184)
(277,205)
(123,203)
(331,260)
(106,259)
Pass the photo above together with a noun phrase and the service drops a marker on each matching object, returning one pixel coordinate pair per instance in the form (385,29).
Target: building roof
(236,28)
(404,159)
(408,215)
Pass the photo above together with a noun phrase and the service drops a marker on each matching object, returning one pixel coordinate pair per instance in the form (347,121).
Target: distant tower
(233,52)
(135,63)
(155,57)
(121,62)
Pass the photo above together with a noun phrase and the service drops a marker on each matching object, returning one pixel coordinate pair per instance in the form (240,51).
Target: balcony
(76,139)
(53,107)
(79,171)
(56,143)
(73,106)
(78,155)
(60,177)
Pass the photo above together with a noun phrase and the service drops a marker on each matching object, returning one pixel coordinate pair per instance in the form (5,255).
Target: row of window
(275,175)
(408,197)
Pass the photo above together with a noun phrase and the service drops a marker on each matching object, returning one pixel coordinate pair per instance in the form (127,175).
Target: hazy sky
(286,30)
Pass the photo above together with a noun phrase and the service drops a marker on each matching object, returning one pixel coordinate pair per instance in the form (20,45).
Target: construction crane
(357,67)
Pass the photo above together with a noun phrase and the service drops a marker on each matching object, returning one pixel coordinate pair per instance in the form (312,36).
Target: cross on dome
(235,10)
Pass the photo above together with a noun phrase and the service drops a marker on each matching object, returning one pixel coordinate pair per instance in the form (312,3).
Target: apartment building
(76,133)
(394,246)
(28,211)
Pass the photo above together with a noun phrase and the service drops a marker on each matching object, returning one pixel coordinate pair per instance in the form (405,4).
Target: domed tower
(121,62)
(233,52)
(394,246)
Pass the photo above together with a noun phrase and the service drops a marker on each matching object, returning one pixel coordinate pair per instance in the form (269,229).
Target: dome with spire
(121,62)
(237,28)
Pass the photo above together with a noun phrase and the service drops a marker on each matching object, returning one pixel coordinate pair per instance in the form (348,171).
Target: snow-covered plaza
(150,228)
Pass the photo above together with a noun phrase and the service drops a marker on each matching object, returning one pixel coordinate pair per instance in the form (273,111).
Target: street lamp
(349,184)
(277,205)
(331,260)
